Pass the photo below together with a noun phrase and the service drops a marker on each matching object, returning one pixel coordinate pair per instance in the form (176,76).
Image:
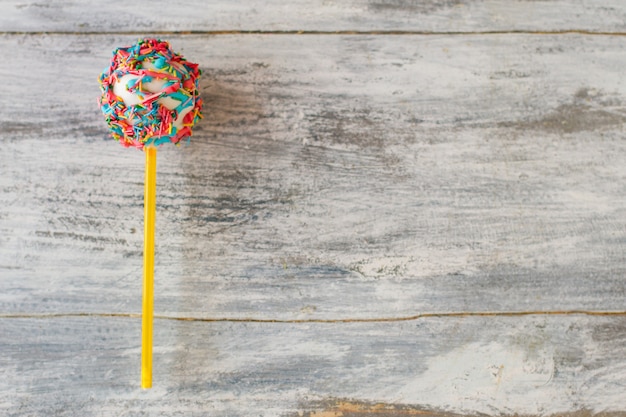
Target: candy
(150,95)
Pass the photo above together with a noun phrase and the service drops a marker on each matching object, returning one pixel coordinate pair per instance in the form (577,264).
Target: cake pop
(149,97)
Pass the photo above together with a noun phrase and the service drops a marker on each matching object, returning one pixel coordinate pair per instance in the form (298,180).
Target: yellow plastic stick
(149,212)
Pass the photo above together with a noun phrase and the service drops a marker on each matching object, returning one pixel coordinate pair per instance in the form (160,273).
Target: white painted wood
(533,365)
(334,179)
(421,174)
(319,15)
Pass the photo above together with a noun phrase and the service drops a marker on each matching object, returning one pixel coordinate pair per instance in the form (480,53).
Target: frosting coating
(150,95)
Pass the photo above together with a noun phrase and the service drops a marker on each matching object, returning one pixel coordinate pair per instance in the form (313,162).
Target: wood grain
(361,225)
(422,175)
(318,15)
(492,366)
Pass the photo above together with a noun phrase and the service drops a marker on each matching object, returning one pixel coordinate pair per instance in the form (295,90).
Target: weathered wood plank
(493,365)
(333,177)
(319,15)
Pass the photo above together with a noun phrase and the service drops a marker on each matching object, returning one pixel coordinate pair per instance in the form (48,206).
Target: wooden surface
(314,15)
(363,224)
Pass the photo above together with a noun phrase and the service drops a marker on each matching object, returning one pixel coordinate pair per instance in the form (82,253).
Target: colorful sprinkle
(150,95)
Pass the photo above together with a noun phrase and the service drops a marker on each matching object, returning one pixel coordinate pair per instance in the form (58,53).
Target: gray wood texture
(313,15)
(366,224)
(492,365)
(421,175)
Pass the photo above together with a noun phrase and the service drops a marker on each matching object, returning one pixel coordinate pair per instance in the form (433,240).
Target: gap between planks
(321,32)
(330,321)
